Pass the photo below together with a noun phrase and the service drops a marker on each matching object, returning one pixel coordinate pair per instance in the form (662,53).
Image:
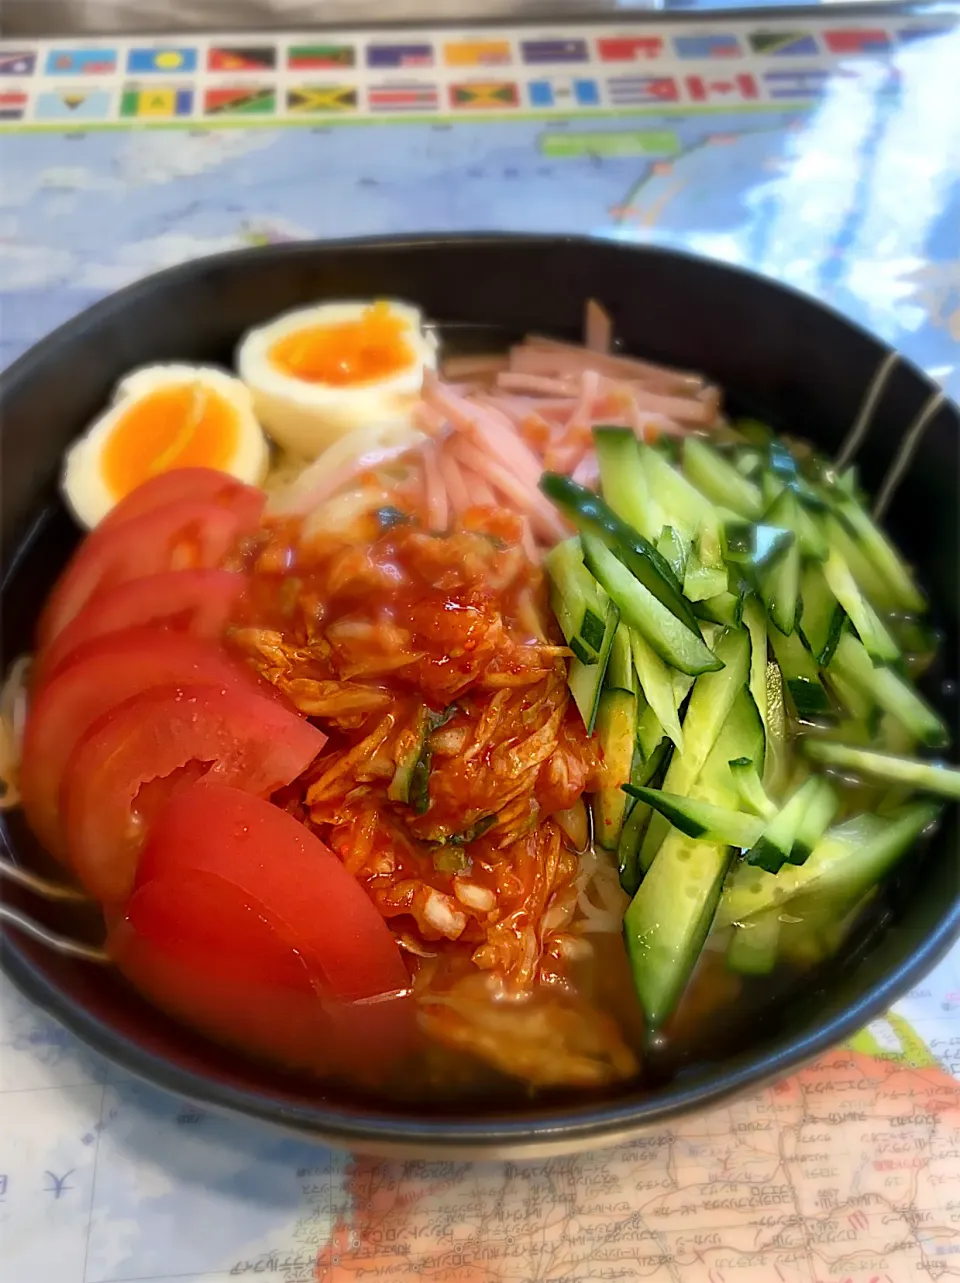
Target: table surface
(821,150)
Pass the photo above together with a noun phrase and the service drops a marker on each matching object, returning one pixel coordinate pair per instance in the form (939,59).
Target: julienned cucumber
(617,729)
(586,680)
(698,819)
(593,517)
(622,478)
(779,839)
(845,864)
(930,777)
(888,690)
(719,480)
(669,918)
(753,947)
(684,508)
(673,641)
(575,600)
(712,699)
(656,682)
(879,645)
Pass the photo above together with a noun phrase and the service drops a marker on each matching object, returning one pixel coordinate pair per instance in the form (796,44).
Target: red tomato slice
(106,672)
(189,534)
(157,739)
(173,486)
(199,949)
(199,602)
(283,868)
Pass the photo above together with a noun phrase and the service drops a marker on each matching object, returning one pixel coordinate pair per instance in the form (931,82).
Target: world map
(845,1173)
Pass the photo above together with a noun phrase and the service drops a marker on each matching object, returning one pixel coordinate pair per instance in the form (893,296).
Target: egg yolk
(349,353)
(182,426)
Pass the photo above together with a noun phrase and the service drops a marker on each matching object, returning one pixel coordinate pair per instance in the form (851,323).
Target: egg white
(82,482)
(305,418)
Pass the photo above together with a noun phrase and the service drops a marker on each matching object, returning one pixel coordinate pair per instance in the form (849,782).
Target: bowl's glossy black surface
(778,354)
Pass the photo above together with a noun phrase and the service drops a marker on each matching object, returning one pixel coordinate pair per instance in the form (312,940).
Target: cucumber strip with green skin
(673,550)
(880,646)
(586,680)
(821,615)
(930,777)
(845,864)
(719,480)
(683,506)
(705,574)
(575,600)
(785,511)
(649,732)
(772,848)
(712,699)
(622,479)
(817,817)
(888,690)
(778,582)
(725,608)
(742,737)
(753,948)
(620,671)
(699,819)
(669,636)
(858,704)
(594,518)
(656,682)
(617,729)
(801,677)
(884,557)
(645,770)
(755,623)
(669,918)
(868,579)
(775,761)
(750,788)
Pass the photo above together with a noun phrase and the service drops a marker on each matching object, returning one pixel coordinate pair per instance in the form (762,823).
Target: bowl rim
(381,1131)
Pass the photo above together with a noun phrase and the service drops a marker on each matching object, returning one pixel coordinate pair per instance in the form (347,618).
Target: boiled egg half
(321,372)
(163,417)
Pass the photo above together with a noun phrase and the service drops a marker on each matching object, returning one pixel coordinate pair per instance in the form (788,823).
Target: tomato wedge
(188,534)
(320,909)
(106,672)
(198,602)
(158,739)
(173,486)
(203,952)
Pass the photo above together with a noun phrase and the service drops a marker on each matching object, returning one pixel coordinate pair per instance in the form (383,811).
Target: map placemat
(822,151)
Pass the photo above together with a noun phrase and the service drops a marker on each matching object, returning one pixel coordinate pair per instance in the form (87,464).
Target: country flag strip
(477,53)
(629,48)
(403,96)
(167,58)
(156,101)
(17,62)
(859,40)
(13,103)
(728,89)
(236,58)
(803,83)
(320,57)
(495,96)
(321,99)
(783,44)
(558,50)
(629,91)
(79,103)
(564,91)
(240,100)
(708,46)
(397,56)
(81,62)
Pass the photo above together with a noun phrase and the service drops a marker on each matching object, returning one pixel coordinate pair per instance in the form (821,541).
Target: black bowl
(779,355)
